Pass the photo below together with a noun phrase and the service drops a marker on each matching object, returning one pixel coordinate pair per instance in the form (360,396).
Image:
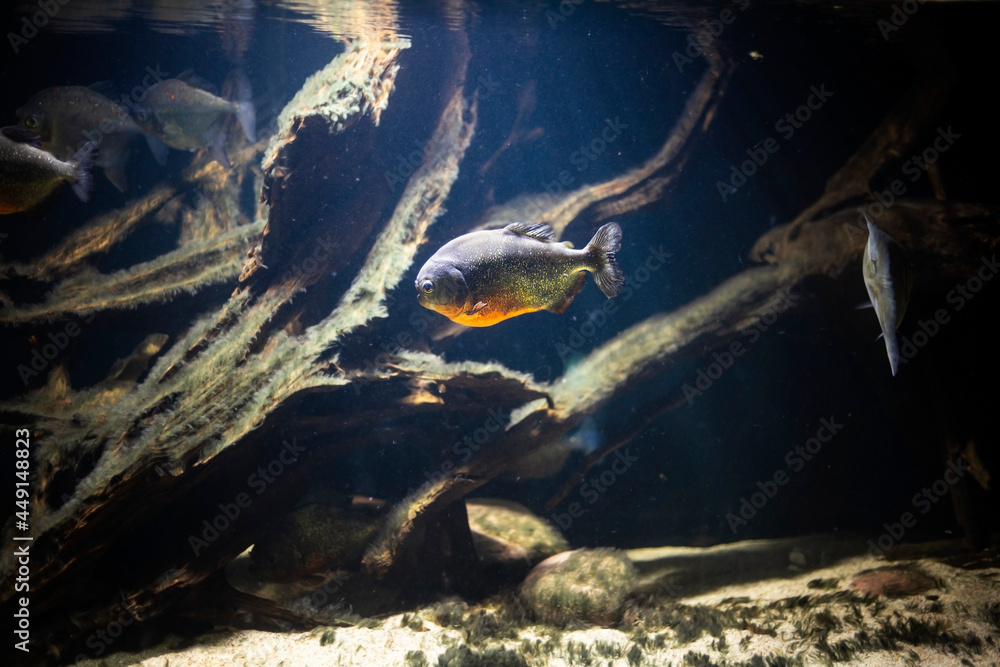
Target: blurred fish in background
(65,117)
(185,113)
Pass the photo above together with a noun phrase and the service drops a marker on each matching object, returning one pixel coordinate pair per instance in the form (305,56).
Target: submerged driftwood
(145,489)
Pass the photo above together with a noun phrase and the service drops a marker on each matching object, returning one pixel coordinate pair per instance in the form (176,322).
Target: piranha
(64,117)
(29,176)
(313,538)
(186,115)
(888,280)
(486,277)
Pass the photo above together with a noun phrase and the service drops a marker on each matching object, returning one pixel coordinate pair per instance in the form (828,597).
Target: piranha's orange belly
(489,316)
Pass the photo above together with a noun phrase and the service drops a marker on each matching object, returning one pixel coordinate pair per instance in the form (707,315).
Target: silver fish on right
(888,279)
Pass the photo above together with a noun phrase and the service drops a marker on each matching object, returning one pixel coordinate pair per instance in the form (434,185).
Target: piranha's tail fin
(82,160)
(602,248)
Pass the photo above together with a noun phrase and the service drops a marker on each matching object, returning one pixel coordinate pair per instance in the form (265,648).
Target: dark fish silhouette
(311,539)
(888,280)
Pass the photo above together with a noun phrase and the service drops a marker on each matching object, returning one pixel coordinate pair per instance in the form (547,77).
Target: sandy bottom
(761,602)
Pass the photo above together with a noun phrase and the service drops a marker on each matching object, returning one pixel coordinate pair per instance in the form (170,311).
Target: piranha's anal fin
(218,150)
(117,171)
(581,280)
(158,149)
(539,231)
(602,248)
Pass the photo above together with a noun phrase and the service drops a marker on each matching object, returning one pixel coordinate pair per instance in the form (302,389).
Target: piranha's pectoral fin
(476,308)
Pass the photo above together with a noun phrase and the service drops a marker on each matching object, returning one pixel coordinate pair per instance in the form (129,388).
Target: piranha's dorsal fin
(872,238)
(104,87)
(539,231)
(190,78)
(22,136)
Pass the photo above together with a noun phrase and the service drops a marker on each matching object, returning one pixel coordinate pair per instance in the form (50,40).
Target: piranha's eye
(141,115)
(427,286)
(31,122)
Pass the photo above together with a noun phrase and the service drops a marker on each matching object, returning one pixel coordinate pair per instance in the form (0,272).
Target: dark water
(611,82)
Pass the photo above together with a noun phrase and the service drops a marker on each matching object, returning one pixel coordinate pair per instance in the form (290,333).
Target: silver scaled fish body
(888,280)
